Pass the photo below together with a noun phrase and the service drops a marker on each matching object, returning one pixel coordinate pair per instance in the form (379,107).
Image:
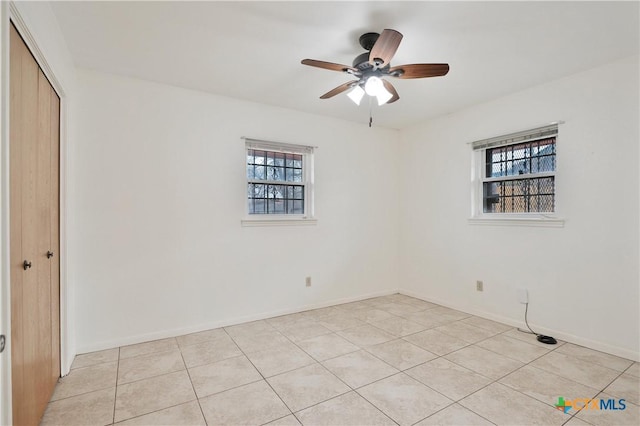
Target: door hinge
(2,339)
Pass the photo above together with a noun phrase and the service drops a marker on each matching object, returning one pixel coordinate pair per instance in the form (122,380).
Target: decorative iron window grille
(518,172)
(278,179)
(512,192)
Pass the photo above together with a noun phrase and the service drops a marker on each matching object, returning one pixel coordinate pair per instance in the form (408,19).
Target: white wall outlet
(307,281)
(523,295)
(479,285)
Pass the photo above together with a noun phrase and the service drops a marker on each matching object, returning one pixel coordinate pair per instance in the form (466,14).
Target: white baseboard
(147,337)
(559,334)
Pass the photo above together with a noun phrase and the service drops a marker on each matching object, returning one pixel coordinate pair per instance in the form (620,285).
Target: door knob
(49,254)
(26,265)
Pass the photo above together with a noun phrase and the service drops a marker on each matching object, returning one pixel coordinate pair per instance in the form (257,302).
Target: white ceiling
(252,50)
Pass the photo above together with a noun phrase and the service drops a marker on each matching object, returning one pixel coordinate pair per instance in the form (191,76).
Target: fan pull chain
(370,115)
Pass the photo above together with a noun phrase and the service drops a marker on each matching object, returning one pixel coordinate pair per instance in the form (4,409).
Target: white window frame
(479,148)
(307,153)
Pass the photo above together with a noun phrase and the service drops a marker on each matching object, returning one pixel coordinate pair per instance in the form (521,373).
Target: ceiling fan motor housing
(367,40)
(362,61)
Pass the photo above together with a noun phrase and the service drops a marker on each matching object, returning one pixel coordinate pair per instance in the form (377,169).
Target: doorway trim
(9,13)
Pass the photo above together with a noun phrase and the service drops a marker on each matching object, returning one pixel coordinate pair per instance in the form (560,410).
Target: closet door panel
(15,200)
(28,165)
(42,264)
(30,317)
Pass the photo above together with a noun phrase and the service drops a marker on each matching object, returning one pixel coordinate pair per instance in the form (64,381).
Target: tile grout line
(260,373)
(192,385)
(175,338)
(80,394)
(451,405)
(115,398)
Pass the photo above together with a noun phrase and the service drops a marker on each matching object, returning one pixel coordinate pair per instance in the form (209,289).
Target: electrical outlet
(307,281)
(523,295)
(479,286)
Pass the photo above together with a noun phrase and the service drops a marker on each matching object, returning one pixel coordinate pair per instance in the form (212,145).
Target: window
(279,181)
(515,174)
(509,185)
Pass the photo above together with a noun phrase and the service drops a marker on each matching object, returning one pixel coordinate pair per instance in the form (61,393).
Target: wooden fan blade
(339,89)
(327,65)
(420,70)
(385,47)
(391,90)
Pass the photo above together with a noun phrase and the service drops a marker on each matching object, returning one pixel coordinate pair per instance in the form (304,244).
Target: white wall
(159,193)
(583,279)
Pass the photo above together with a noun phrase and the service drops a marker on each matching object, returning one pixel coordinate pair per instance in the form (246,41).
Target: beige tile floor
(382,361)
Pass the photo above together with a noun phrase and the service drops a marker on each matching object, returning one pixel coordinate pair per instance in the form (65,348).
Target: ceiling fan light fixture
(373,86)
(356,94)
(383,96)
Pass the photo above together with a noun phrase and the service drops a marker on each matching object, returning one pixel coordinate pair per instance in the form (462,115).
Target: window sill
(537,221)
(279,221)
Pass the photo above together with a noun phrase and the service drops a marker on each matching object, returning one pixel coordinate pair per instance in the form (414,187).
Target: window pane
(275,199)
(260,172)
(279,207)
(270,158)
(545,203)
(271,193)
(259,157)
(519,195)
(274,166)
(521,159)
(259,207)
(275,173)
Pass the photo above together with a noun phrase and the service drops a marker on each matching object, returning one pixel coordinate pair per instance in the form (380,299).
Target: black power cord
(540,337)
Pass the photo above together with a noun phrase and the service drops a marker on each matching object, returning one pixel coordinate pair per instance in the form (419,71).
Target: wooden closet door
(42,312)
(34,289)
(20,405)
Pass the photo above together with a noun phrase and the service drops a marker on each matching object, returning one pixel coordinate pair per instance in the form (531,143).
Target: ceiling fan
(370,68)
